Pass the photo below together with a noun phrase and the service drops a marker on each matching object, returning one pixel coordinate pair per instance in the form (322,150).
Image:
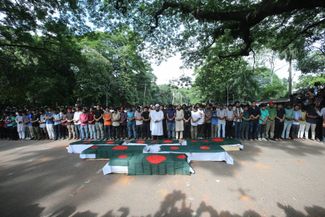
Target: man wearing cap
(270,124)
(156,117)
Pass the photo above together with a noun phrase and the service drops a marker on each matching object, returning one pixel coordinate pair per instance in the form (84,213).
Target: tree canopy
(62,51)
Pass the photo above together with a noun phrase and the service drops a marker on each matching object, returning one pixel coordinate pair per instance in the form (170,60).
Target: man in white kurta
(157,117)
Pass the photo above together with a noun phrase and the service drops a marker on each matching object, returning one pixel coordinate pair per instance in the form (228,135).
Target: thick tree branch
(243,19)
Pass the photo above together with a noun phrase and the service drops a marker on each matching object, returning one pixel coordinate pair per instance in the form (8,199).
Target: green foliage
(236,80)
(308,81)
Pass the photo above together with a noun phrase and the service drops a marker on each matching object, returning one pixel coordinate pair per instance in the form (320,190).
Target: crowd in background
(266,121)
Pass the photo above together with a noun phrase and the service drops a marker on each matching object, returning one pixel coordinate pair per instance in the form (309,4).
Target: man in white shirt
(76,121)
(156,117)
(230,122)
(195,118)
(201,122)
(221,115)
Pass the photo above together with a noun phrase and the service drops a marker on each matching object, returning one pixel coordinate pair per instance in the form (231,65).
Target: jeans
(187,130)
(221,126)
(57,131)
(214,131)
(253,128)
(99,130)
(286,129)
(84,132)
(92,131)
(262,131)
(278,129)
(170,129)
(237,129)
(77,131)
(131,130)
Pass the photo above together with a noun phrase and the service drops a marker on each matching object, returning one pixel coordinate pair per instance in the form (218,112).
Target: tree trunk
(290,76)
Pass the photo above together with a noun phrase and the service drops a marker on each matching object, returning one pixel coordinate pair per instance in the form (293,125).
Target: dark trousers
(57,131)
(138,129)
(187,130)
(245,130)
(123,131)
(116,131)
(108,131)
(229,129)
(146,130)
(200,130)
(237,129)
(278,129)
(207,130)
(253,128)
(294,131)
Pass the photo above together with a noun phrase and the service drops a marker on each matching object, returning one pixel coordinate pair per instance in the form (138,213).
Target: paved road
(39,178)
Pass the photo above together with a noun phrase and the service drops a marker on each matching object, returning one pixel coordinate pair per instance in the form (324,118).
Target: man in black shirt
(146,123)
(254,113)
(187,122)
(279,122)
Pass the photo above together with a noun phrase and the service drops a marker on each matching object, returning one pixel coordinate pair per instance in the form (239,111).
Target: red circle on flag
(140,141)
(122,156)
(168,141)
(194,140)
(204,147)
(182,156)
(110,142)
(205,140)
(218,139)
(120,148)
(93,147)
(174,148)
(156,159)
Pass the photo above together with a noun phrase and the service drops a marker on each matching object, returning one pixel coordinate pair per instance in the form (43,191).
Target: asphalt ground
(287,178)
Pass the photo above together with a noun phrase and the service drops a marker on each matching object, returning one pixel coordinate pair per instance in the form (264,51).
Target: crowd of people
(266,121)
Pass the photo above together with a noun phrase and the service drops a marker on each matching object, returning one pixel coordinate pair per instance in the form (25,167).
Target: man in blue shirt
(49,123)
(214,123)
(131,123)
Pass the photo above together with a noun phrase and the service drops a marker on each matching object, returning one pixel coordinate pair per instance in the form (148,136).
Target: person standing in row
(254,113)
(131,123)
(76,122)
(49,124)
(146,123)
(287,122)
(222,115)
(207,123)
(91,124)
(302,123)
(116,117)
(123,123)
(187,122)
(279,122)
(170,116)
(99,122)
(156,117)
(245,123)
(138,122)
(270,124)
(214,123)
(179,125)
(311,122)
(84,124)
(264,115)
(238,119)
(70,126)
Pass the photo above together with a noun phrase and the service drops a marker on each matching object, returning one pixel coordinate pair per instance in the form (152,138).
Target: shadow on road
(175,204)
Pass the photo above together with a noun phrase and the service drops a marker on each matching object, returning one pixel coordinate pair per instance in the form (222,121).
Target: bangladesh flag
(153,142)
(206,147)
(104,151)
(98,142)
(152,164)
